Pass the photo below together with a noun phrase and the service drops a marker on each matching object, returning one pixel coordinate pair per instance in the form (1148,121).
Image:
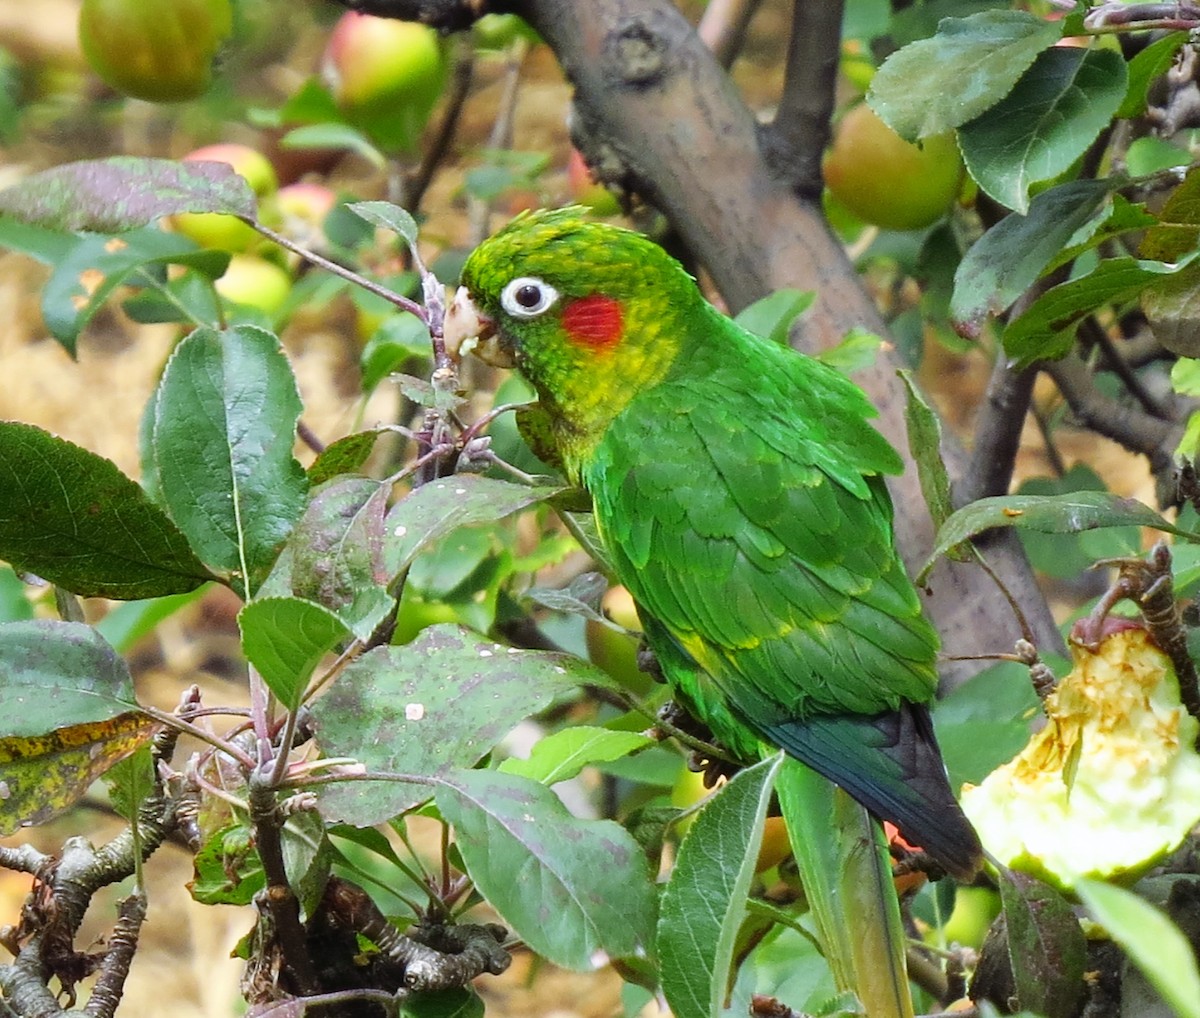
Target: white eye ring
(527,297)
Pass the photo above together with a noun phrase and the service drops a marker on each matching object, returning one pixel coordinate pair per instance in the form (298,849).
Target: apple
(887,181)
(385,75)
(302,208)
(213,229)
(497,32)
(586,190)
(617,653)
(255,282)
(160,51)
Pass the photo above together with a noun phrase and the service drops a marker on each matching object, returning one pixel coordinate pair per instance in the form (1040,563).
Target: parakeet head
(589,313)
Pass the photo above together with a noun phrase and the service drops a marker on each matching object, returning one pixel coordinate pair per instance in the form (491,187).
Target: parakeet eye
(527,297)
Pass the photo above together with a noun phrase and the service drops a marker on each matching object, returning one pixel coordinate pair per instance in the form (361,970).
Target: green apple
(255,282)
(221,232)
(586,190)
(887,181)
(385,75)
(157,50)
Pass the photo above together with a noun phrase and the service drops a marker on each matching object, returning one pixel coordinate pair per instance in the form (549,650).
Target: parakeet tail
(891,764)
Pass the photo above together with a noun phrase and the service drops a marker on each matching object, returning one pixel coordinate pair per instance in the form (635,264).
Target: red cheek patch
(593,322)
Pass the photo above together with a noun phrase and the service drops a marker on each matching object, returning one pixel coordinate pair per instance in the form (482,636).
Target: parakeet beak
(467,330)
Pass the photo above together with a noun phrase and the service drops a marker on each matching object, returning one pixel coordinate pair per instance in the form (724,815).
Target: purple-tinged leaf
(125,192)
(1046,946)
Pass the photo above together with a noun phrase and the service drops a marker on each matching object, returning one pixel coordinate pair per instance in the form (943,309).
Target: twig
(723,27)
(1092,331)
(431,158)
(997,432)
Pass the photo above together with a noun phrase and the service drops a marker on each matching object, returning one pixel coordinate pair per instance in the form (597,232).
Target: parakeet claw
(467,330)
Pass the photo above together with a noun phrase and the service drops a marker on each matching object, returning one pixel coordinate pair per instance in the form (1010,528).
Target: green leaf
(228,870)
(459,1002)
(224,424)
(74,519)
(87,274)
(1145,68)
(15,606)
(125,192)
(443,701)
(1049,119)
(1154,943)
(704,902)
(925,445)
(389,216)
(400,338)
(1048,514)
(47,246)
(1172,304)
(437,508)
(1046,330)
(564,754)
(856,352)
(568,887)
(1006,260)
(334,135)
(771,317)
(131,782)
(337,552)
(936,84)
(284,638)
(1180,223)
(1046,946)
(347,455)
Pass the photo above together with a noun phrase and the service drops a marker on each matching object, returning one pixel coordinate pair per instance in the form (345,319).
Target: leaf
(330,135)
(934,85)
(131,781)
(1145,68)
(43,775)
(1180,223)
(1046,329)
(401,337)
(1046,946)
(227,868)
(1057,109)
(1006,260)
(95,266)
(48,246)
(771,317)
(568,887)
(437,508)
(925,446)
(125,192)
(459,1002)
(125,624)
(284,638)
(443,701)
(704,901)
(74,519)
(389,216)
(1154,943)
(337,548)
(344,456)
(562,755)
(856,352)
(1172,305)
(1048,514)
(221,441)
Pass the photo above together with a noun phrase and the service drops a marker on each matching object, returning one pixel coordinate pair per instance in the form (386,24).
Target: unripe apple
(887,181)
(497,32)
(385,75)
(160,51)
(255,282)
(615,652)
(302,208)
(213,229)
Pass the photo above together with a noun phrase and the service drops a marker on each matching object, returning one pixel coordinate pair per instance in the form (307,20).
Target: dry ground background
(184,968)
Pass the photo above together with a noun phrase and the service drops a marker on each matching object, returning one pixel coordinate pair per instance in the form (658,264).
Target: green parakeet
(739,492)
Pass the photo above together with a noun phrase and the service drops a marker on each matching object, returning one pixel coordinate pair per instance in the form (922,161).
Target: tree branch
(797,137)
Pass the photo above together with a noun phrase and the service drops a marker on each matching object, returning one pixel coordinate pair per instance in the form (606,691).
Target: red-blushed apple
(586,190)
(385,75)
(887,181)
(302,208)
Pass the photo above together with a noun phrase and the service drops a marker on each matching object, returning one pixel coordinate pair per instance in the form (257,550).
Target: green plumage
(738,488)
